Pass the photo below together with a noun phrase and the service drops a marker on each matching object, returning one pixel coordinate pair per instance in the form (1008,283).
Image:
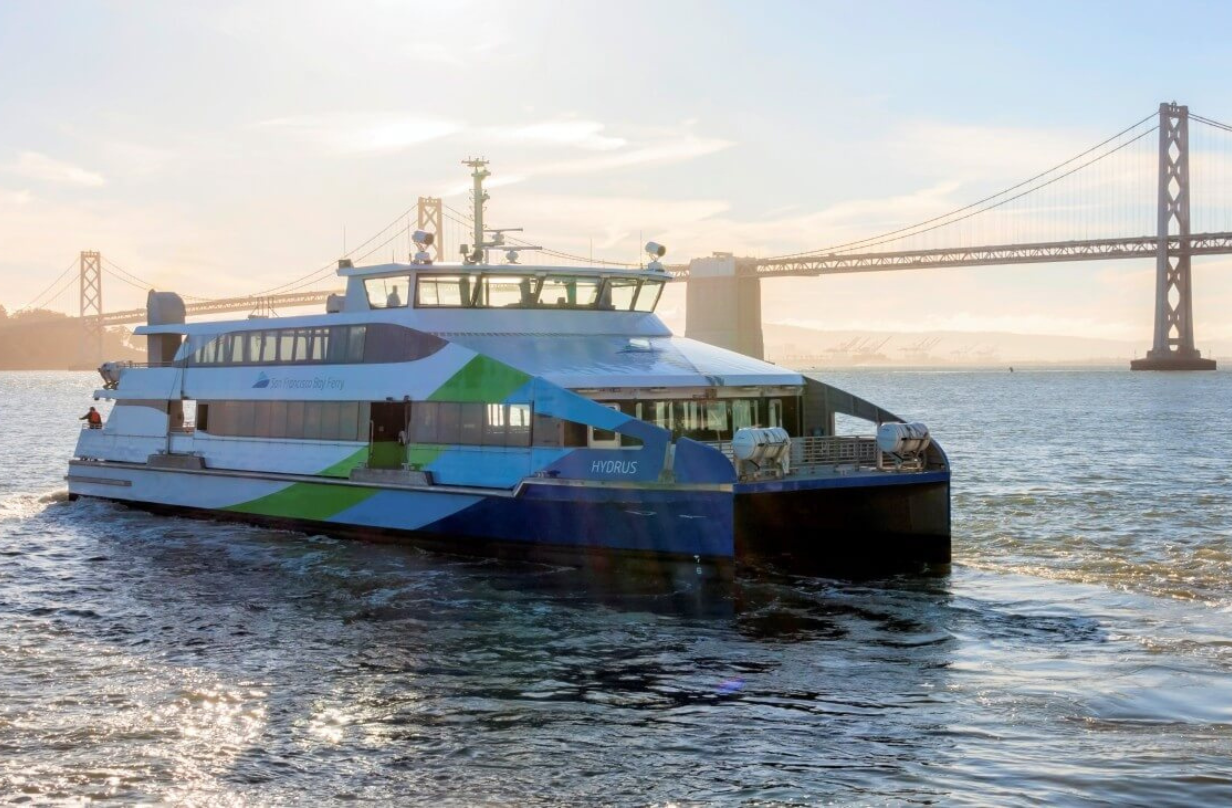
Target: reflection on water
(153,659)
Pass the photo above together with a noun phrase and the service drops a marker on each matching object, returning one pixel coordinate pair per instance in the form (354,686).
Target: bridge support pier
(90,311)
(723,304)
(1173,347)
(430,220)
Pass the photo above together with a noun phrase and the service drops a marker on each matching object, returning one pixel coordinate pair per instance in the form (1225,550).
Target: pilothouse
(484,407)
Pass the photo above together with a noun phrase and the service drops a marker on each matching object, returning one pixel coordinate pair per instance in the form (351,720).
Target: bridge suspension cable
(1210,122)
(1031,185)
(41,298)
(321,274)
(467,221)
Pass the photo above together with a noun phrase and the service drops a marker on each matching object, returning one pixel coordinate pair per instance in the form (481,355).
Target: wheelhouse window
(442,291)
(507,291)
(569,292)
(648,297)
(527,291)
(619,294)
(389,292)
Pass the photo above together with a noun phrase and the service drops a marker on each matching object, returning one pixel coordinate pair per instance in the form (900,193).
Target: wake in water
(26,505)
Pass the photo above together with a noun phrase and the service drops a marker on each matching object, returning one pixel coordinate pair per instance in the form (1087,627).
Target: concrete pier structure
(723,304)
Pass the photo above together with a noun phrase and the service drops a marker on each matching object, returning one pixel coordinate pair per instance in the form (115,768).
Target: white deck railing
(808,453)
(833,451)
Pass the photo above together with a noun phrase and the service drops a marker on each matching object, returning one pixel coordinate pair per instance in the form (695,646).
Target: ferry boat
(494,408)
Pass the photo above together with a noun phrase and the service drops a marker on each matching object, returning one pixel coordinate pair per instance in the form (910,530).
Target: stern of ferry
(841,501)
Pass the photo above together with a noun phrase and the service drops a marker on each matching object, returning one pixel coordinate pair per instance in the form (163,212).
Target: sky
(221,148)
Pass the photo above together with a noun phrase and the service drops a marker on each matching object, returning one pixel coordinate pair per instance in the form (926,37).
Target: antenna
(478,198)
(479,245)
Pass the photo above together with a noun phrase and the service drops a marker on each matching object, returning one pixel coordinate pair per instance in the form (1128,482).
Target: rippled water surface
(1078,653)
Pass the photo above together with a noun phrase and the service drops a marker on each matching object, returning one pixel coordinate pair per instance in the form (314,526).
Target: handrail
(835,450)
(810,452)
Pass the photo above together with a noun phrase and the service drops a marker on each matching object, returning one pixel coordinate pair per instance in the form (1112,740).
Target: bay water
(1078,651)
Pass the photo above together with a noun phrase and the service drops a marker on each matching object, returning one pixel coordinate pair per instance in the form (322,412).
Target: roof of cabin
(609,360)
(377,270)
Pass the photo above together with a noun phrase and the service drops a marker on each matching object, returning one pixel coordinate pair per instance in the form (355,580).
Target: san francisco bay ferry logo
(262,380)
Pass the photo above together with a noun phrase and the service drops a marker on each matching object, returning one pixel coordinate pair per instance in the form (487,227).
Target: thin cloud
(14,197)
(675,150)
(362,133)
(577,133)
(38,166)
(659,147)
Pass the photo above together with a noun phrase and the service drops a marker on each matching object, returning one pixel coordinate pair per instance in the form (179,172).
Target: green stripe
(481,379)
(317,501)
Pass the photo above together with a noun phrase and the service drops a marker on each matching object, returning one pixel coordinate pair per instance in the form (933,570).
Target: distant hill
(790,345)
(47,340)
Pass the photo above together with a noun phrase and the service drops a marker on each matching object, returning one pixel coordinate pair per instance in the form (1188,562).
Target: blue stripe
(698,523)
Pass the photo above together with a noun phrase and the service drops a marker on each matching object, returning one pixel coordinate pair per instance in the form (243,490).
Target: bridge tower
(90,310)
(1173,347)
(431,221)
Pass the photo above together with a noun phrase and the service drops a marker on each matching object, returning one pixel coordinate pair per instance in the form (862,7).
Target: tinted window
(245,417)
(471,427)
(386,342)
(355,343)
(494,425)
(312,419)
(449,422)
(519,425)
(424,422)
(348,421)
(319,344)
(278,419)
(261,418)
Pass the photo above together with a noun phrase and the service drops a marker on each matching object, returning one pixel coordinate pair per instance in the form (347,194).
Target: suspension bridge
(1160,188)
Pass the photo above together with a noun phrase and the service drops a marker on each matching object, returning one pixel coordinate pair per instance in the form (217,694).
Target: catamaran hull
(900,520)
(561,521)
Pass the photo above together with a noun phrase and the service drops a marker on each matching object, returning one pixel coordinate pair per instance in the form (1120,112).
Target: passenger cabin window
(708,419)
(296,420)
(433,291)
(388,293)
(333,345)
(469,424)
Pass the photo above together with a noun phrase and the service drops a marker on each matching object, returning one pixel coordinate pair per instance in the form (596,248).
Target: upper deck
(522,287)
(578,327)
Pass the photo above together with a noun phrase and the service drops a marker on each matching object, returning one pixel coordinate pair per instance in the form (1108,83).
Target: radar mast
(478,250)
